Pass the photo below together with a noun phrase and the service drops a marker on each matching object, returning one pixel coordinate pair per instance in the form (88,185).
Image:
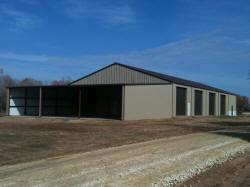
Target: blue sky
(206,41)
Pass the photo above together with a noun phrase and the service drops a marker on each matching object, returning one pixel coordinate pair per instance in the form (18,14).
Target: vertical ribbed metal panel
(198,102)
(211,104)
(222,105)
(181,100)
(117,74)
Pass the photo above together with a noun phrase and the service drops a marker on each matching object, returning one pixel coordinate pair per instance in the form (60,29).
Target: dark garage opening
(198,102)
(211,104)
(60,101)
(222,104)
(101,101)
(181,98)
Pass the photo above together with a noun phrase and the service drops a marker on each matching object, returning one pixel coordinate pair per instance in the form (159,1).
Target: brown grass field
(24,139)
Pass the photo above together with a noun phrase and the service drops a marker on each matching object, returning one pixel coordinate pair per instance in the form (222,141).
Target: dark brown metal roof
(169,78)
(176,80)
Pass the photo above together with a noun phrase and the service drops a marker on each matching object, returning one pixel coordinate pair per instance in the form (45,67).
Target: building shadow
(231,124)
(244,134)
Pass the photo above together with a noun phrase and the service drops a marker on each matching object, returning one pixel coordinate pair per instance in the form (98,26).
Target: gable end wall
(117,74)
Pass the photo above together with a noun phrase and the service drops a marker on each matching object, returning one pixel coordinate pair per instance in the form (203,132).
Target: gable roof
(177,80)
(165,77)
(116,74)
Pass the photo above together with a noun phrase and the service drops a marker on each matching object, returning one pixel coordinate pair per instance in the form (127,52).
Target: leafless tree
(30,82)
(243,104)
(5,80)
(63,81)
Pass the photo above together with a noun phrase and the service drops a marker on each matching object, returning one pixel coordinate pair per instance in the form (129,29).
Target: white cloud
(211,50)
(30,2)
(213,59)
(18,20)
(193,51)
(24,57)
(204,53)
(247,41)
(105,11)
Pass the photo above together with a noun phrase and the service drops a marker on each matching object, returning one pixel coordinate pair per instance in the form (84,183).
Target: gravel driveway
(161,162)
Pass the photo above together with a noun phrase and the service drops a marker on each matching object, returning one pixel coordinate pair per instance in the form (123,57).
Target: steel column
(79,102)
(41,102)
(25,102)
(8,102)
(56,107)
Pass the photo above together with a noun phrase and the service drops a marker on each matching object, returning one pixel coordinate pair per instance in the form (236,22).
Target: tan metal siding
(148,102)
(117,74)
(232,102)
(217,101)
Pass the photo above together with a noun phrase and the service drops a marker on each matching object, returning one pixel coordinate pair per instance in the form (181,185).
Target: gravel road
(162,162)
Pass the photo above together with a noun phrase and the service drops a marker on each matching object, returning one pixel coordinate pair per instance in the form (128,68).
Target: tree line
(243,104)
(7,80)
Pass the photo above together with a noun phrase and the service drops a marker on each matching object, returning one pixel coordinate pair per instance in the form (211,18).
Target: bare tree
(63,81)
(5,80)
(30,82)
(243,104)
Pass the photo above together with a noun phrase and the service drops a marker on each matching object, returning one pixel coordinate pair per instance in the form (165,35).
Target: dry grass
(24,139)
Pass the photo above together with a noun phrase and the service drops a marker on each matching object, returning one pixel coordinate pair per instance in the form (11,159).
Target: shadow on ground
(232,123)
(244,135)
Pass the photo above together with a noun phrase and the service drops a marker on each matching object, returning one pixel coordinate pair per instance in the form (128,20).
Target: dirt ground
(25,139)
(233,173)
(161,162)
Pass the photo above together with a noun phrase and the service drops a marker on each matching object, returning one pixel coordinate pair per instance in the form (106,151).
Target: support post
(79,102)
(8,102)
(40,102)
(56,110)
(25,102)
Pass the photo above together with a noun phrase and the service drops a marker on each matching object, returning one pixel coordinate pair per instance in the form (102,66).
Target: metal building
(122,92)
